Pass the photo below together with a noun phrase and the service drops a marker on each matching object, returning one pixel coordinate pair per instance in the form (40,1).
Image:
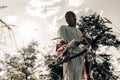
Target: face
(71,20)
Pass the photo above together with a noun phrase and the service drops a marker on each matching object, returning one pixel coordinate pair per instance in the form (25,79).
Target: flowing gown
(72,70)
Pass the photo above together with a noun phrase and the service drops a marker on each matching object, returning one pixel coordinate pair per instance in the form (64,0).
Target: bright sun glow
(11,19)
(28,32)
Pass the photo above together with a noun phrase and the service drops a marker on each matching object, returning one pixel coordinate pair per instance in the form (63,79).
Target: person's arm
(62,33)
(63,39)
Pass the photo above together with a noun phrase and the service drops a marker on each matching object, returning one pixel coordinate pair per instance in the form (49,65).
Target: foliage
(21,67)
(97,28)
(50,57)
(1,7)
(56,72)
(102,35)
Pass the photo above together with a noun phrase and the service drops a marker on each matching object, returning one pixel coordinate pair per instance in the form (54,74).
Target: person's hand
(62,42)
(74,43)
(65,58)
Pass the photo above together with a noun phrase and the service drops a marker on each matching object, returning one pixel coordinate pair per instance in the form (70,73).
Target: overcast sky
(40,19)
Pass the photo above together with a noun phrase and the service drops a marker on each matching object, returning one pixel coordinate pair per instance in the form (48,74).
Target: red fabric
(57,48)
(85,70)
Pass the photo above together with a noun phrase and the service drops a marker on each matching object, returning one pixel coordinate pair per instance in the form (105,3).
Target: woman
(72,70)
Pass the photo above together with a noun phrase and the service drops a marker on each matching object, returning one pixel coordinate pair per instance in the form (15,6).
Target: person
(69,34)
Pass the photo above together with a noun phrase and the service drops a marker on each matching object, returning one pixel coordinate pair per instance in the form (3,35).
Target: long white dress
(72,70)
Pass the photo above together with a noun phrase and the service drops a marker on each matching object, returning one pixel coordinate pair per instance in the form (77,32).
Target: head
(70,18)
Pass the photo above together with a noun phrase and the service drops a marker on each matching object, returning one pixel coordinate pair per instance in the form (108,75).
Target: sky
(40,19)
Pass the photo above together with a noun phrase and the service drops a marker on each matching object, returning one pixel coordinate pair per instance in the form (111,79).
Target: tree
(3,26)
(29,56)
(6,66)
(21,67)
(102,35)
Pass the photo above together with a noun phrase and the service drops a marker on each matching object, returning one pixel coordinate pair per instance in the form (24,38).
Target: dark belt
(67,58)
